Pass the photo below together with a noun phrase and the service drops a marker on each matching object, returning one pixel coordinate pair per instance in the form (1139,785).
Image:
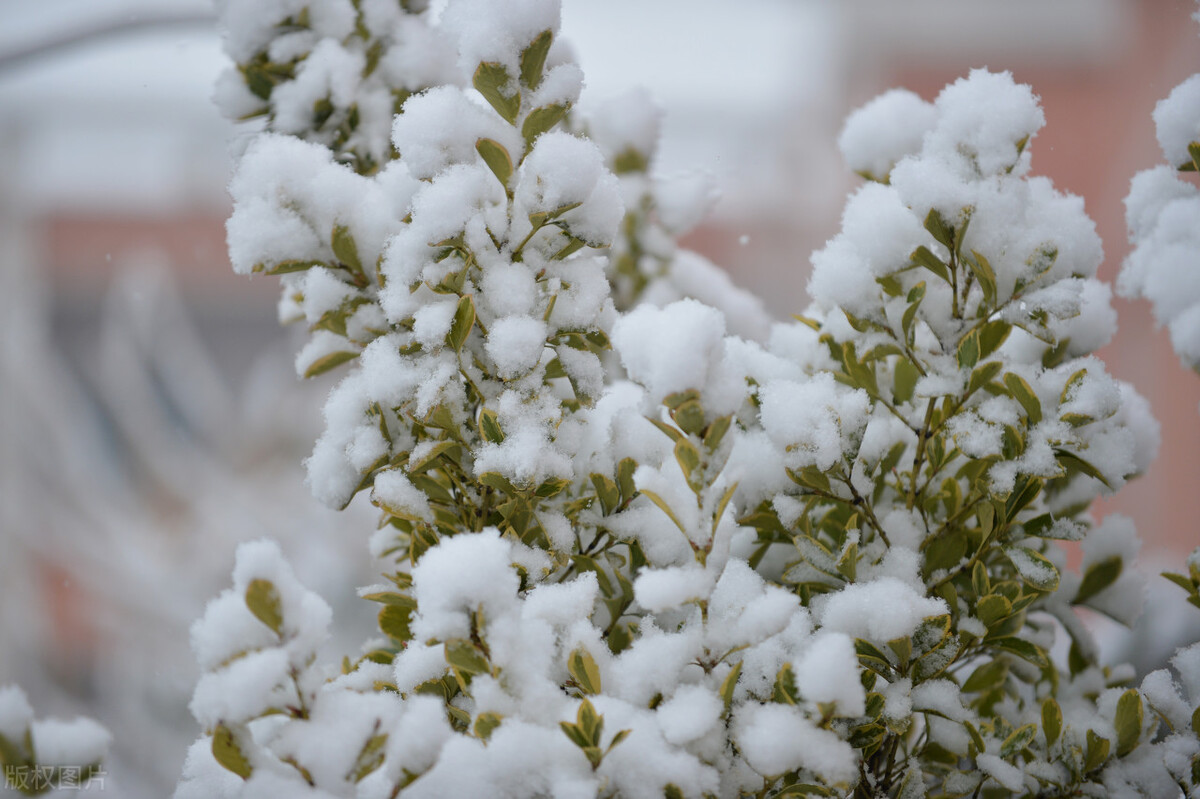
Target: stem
(861,502)
(965,510)
(516,256)
(922,437)
(956,311)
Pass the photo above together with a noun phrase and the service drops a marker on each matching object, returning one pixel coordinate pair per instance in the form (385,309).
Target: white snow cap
(881,610)
(880,133)
(670,349)
(497,31)
(1177,121)
(987,118)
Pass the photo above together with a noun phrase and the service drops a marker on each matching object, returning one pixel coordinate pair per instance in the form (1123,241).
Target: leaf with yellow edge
(584,671)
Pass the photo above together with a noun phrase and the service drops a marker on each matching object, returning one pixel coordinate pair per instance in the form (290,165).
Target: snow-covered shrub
(41,755)
(819,557)
(1162,213)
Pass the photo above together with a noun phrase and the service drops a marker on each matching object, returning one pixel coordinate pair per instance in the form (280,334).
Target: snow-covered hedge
(636,545)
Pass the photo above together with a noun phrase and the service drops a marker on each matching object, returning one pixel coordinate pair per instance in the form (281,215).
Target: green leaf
(715,432)
(847,564)
(630,160)
(1019,739)
(228,753)
(968,350)
(1073,382)
(370,757)
(1193,149)
(979,576)
(923,256)
(992,335)
(462,655)
(1023,393)
(993,608)
(1035,569)
(491,80)
(941,230)
(985,275)
(625,470)
(486,724)
(1022,649)
(541,120)
(785,686)
(262,598)
(1097,752)
(489,426)
(976,738)
(722,505)
(552,487)
(497,159)
(326,362)
(285,267)
(606,490)
(1068,459)
(672,791)
(533,59)
(982,375)
(903,648)
(689,461)
(730,683)
(689,416)
(1128,722)
(584,671)
(946,551)
(394,621)
(589,721)
(986,677)
(464,320)
(345,248)
(904,380)
(812,478)
(665,508)
(1196,721)
(576,734)
(1052,720)
(428,460)
(915,296)
(1099,576)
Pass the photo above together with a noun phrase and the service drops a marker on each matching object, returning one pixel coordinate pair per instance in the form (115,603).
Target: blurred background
(149,415)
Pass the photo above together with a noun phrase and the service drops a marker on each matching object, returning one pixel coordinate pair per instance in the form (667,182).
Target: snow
(671,349)
(515,344)
(828,672)
(776,738)
(397,495)
(1177,121)
(1008,775)
(690,714)
(628,121)
(813,420)
(1116,537)
(495,32)
(878,135)
(563,170)
(457,577)
(241,691)
(65,743)
(662,589)
(439,128)
(15,713)
(880,611)
(983,118)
